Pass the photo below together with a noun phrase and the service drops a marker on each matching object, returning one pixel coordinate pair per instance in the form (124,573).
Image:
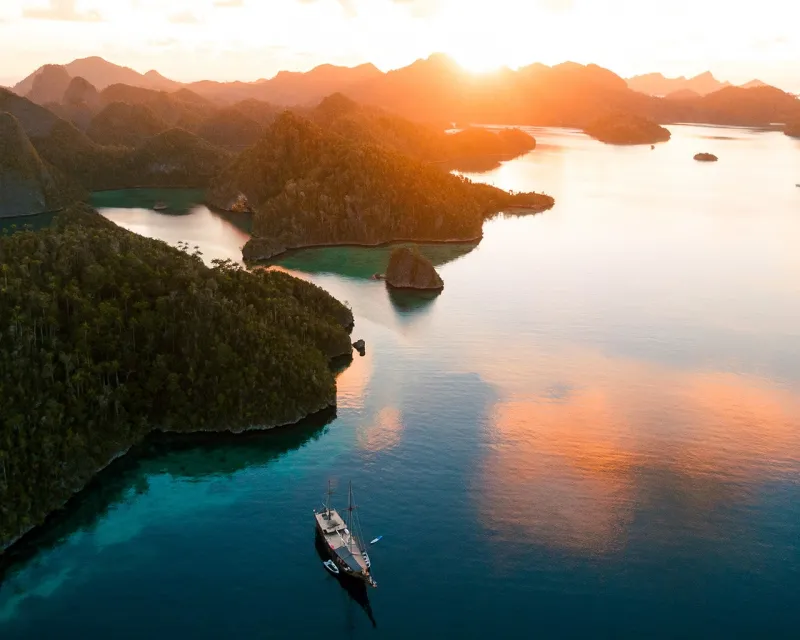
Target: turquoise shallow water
(594,431)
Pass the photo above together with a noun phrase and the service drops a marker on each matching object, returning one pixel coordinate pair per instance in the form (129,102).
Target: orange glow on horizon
(190,41)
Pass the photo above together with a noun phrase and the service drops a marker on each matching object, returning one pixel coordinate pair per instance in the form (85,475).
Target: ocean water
(594,431)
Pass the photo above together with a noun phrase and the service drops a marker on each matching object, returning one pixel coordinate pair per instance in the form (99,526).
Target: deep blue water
(594,431)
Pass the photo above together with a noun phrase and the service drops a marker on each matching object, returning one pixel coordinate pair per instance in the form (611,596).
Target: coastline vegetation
(107,335)
(624,129)
(308,186)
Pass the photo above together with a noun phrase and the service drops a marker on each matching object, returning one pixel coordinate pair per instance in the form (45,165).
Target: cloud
(557,6)
(62,10)
(421,8)
(348,6)
(228,4)
(163,42)
(186,17)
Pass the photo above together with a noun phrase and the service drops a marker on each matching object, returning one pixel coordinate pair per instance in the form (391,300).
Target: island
(627,129)
(342,115)
(310,186)
(134,148)
(793,129)
(109,335)
(706,157)
(409,269)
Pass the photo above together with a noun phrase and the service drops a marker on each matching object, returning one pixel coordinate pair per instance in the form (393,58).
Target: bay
(594,431)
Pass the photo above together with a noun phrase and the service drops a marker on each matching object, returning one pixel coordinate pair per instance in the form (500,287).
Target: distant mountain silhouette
(50,84)
(182,108)
(101,74)
(759,106)
(682,94)
(655,84)
(568,95)
(289,88)
(435,90)
(439,90)
(79,104)
(754,84)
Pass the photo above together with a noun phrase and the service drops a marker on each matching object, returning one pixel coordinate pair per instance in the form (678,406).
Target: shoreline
(33,215)
(357,245)
(162,187)
(27,542)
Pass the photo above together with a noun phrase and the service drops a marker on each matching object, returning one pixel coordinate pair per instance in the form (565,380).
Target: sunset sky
(250,39)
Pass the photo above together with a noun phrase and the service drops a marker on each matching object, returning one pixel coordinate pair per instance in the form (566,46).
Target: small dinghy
(160,206)
(330,565)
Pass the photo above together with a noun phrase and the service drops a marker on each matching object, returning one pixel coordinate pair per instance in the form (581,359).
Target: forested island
(107,335)
(308,186)
(129,147)
(625,129)
(340,114)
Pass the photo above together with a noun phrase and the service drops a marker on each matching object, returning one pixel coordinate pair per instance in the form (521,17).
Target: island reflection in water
(596,423)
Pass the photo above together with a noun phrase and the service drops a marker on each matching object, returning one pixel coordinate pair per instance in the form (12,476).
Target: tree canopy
(310,186)
(623,128)
(106,335)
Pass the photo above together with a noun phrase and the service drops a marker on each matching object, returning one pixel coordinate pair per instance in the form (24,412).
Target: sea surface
(593,432)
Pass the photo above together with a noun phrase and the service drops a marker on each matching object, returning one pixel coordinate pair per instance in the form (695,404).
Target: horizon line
(16,80)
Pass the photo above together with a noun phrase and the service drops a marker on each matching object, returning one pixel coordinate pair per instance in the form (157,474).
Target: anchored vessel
(348,556)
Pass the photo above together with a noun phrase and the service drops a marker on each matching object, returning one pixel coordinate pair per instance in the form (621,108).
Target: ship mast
(350,508)
(328,501)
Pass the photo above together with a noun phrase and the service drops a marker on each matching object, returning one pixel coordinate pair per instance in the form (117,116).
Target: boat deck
(341,541)
(330,523)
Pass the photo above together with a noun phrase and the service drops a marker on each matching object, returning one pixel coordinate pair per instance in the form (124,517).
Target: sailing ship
(348,555)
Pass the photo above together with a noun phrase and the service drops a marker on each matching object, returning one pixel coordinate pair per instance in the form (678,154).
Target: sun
(476,61)
(488,56)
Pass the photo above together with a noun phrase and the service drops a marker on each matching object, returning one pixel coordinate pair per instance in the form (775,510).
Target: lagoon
(594,431)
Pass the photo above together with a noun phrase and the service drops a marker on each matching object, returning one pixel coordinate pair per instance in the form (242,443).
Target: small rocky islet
(409,269)
(706,157)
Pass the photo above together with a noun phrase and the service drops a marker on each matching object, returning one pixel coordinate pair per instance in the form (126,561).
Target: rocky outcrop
(361,347)
(706,157)
(793,129)
(409,269)
(27,184)
(624,128)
